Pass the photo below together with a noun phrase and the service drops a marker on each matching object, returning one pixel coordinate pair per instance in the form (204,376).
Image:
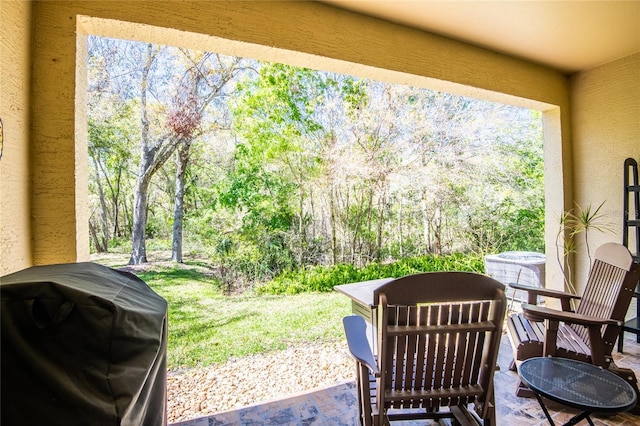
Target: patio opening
(303,169)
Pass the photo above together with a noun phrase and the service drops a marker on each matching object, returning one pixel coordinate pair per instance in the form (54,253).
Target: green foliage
(111,138)
(507,210)
(244,260)
(324,278)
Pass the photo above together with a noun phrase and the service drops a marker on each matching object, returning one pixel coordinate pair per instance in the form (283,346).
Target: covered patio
(337,405)
(590,113)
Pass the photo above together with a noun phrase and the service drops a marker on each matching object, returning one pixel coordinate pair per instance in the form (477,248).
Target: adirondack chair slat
(572,342)
(601,295)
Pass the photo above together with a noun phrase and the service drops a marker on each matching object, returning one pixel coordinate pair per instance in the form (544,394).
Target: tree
(202,81)
(152,157)
(110,142)
(202,84)
(316,167)
(113,132)
(273,115)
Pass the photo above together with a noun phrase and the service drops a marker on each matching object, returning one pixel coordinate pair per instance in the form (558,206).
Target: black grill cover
(82,344)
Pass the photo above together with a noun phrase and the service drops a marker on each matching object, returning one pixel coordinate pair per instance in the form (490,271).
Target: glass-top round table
(578,385)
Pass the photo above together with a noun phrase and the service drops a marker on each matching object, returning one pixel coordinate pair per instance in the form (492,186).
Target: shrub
(324,278)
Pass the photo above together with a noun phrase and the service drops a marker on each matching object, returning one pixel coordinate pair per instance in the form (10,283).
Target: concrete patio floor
(337,405)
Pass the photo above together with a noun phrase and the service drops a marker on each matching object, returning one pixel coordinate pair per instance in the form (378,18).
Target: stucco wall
(606,131)
(15,233)
(301,33)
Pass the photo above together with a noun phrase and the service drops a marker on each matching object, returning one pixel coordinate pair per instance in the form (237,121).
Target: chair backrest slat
(448,366)
(462,340)
(471,345)
(483,315)
(432,344)
(441,349)
(411,351)
(601,291)
(400,358)
(421,351)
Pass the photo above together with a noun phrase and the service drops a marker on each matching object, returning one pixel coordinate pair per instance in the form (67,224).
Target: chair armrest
(533,292)
(541,313)
(355,330)
(554,317)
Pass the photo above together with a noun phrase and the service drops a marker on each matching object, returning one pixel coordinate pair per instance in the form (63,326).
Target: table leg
(370,315)
(573,421)
(576,419)
(544,409)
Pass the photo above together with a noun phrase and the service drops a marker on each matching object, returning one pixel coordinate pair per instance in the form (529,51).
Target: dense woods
(265,167)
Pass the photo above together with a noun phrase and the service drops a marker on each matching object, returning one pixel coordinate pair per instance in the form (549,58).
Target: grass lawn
(206,326)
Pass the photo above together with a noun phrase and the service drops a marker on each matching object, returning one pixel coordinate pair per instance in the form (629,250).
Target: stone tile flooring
(337,405)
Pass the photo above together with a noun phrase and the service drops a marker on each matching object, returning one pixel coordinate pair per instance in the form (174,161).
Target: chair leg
(523,391)
(379,420)
(463,417)
(489,419)
(628,375)
(364,395)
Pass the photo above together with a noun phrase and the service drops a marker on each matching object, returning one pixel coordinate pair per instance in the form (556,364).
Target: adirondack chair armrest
(355,330)
(554,317)
(533,293)
(541,313)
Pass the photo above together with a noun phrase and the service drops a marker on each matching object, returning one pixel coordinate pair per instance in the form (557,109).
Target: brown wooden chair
(438,336)
(589,333)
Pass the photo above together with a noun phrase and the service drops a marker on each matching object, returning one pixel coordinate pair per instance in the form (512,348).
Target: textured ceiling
(566,35)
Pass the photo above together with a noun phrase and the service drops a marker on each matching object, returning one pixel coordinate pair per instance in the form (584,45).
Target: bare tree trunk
(116,205)
(313,231)
(347,228)
(301,229)
(182,122)
(182,159)
(334,239)
(425,225)
(103,246)
(141,193)
(96,240)
(370,249)
(356,226)
(139,233)
(400,219)
(381,214)
(437,226)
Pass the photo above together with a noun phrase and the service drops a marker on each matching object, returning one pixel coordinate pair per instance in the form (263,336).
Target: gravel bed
(255,379)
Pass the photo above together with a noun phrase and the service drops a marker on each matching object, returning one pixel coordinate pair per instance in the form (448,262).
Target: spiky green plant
(574,223)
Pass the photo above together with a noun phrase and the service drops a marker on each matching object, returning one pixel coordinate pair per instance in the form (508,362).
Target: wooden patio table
(364,301)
